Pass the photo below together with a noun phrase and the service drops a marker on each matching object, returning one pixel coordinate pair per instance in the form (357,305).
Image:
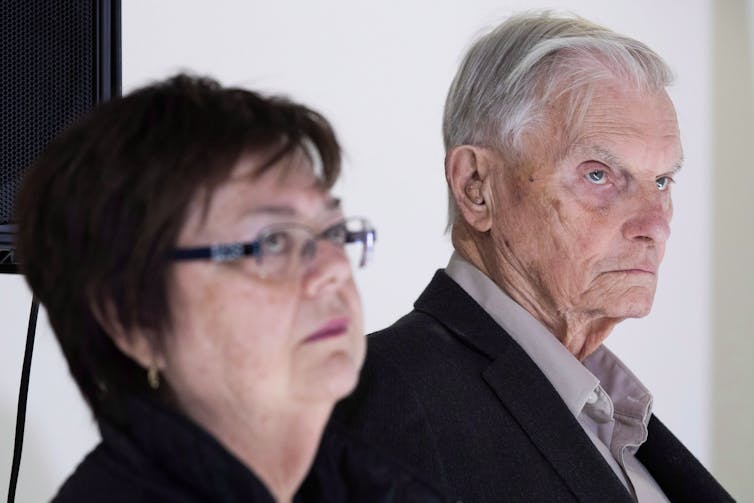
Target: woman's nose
(328,269)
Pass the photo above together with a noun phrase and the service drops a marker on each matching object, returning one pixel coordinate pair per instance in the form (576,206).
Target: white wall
(379,71)
(732,304)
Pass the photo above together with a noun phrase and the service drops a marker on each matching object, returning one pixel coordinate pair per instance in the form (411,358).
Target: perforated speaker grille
(48,55)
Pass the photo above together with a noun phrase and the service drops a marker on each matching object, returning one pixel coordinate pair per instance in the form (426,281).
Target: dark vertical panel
(57,60)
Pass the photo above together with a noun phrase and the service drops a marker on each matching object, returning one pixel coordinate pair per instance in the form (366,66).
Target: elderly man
(561,149)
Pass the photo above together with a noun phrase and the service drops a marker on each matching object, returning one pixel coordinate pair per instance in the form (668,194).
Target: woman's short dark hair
(100,210)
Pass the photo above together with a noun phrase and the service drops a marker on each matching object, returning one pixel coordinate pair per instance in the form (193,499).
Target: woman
(192,262)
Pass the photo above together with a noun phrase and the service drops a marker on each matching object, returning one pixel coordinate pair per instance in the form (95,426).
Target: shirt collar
(631,399)
(571,380)
(576,382)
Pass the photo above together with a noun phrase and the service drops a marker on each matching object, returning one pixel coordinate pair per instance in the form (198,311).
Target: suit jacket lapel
(525,392)
(680,475)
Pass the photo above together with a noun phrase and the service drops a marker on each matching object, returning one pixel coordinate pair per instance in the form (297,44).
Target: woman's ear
(467,170)
(136,343)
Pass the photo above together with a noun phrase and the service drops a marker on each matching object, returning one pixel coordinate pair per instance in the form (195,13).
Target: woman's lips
(333,328)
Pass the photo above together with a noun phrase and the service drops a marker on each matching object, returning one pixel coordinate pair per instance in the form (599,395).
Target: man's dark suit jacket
(449,393)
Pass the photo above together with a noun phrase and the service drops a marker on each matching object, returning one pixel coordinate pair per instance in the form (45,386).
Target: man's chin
(635,304)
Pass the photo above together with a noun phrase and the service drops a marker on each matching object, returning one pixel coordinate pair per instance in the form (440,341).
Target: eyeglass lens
(285,251)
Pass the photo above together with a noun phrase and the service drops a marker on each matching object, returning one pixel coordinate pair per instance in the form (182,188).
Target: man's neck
(581,334)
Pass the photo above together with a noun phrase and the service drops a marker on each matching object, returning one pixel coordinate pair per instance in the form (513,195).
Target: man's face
(585,234)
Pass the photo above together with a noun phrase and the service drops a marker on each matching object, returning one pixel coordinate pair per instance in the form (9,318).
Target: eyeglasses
(281,251)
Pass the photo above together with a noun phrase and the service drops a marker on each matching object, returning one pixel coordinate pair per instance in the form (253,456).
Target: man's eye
(277,243)
(597,177)
(663,183)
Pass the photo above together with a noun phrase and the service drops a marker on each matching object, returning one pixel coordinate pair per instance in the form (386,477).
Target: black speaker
(59,59)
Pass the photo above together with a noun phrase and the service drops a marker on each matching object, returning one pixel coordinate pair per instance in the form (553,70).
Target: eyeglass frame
(229,252)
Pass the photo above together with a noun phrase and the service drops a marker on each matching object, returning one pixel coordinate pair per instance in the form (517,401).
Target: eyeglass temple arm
(367,236)
(218,253)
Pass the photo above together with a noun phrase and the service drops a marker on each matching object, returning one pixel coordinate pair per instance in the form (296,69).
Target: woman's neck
(277,444)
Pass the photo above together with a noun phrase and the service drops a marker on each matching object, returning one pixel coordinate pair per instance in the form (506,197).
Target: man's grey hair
(510,79)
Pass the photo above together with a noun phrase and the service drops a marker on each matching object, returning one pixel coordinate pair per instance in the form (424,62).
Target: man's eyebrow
(677,167)
(613,160)
(607,156)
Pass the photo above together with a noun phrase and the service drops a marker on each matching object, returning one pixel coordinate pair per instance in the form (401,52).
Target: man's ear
(467,170)
(136,343)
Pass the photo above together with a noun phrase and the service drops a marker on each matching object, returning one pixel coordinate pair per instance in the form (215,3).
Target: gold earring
(153,377)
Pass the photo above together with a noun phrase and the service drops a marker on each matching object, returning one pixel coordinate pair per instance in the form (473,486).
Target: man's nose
(650,218)
(328,269)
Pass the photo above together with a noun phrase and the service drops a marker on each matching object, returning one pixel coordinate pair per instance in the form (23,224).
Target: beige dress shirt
(610,403)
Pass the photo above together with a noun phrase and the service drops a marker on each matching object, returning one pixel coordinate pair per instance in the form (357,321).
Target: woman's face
(242,343)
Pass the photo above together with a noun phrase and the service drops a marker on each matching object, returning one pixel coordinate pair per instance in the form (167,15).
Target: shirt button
(591,399)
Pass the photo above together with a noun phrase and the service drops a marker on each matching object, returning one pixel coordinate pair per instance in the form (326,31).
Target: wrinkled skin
(577,238)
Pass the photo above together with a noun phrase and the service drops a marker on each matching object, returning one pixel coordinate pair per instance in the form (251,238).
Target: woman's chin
(331,380)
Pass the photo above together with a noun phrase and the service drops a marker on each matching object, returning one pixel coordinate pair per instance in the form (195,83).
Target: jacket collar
(524,391)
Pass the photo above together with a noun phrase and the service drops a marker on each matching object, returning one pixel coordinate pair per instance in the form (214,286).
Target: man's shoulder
(397,353)
(418,344)
(389,406)
(413,329)
(413,368)
(348,468)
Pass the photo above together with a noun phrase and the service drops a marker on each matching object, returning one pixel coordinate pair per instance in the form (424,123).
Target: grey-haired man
(561,148)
